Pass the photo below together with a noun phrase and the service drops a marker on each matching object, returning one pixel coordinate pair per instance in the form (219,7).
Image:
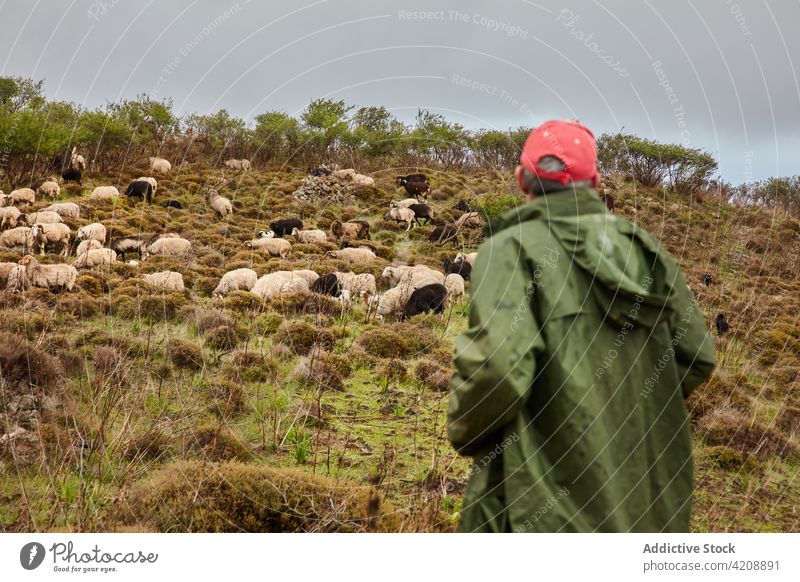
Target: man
(584,341)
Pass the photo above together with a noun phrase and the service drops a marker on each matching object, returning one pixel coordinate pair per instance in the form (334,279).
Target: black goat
(140,189)
(421,211)
(722,324)
(462,268)
(415,184)
(285,226)
(462,206)
(444,234)
(71,175)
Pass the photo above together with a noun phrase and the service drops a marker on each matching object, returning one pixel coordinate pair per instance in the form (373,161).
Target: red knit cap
(570,142)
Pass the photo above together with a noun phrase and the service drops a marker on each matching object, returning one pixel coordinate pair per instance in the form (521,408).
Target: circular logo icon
(31,555)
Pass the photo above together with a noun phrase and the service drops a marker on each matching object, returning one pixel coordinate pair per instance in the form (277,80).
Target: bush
(223,337)
(185,354)
(215,443)
(241,301)
(301,336)
(24,365)
(731,428)
(398,341)
(236,497)
(316,372)
(432,375)
(297,303)
(392,370)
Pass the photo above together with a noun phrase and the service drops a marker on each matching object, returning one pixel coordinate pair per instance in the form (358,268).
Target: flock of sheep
(411,289)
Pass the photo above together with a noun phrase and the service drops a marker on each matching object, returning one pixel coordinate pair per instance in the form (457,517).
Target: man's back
(584,341)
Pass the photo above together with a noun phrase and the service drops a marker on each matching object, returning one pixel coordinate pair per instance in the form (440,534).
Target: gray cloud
(717,74)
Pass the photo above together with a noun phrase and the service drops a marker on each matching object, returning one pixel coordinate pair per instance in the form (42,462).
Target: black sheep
(415,184)
(71,175)
(421,211)
(140,189)
(128,244)
(427,298)
(443,234)
(327,285)
(722,324)
(462,206)
(462,268)
(285,226)
(707,280)
(173,204)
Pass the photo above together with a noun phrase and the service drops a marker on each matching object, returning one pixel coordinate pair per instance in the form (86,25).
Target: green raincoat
(569,385)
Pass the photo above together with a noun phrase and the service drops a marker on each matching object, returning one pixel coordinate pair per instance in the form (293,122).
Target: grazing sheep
(468,257)
(150,180)
(140,189)
(104,193)
(277,247)
(271,284)
(165,280)
(344,174)
(168,247)
(362,181)
(462,268)
(428,298)
(285,226)
(242,165)
(462,206)
(417,278)
(9,216)
(221,205)
(72,175)
(444,234)
(421,211)
(454,283)
(41,217)
(160,165)
(415,184)
(309,236)
(26,195)
(354,229)
(327,285)
(64,209)
(362,285)
(296,286)
(95,258)
(87,245)
(403,203)
(129,244)
(401,215)
(94,231)
(16,280)
(173,204)
(236,280)
(391,302)
(52,277)
(353,255)
(722,324)
(307,275)
(397,273)
(468,220)
(49,188)
(56,234)
(19,236)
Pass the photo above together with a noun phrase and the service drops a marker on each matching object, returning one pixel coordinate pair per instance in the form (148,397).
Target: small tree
(277,136)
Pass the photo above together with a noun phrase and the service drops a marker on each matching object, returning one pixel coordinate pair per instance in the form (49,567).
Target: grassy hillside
(145,410)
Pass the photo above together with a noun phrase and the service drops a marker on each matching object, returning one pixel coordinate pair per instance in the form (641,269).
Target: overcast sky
(715,74)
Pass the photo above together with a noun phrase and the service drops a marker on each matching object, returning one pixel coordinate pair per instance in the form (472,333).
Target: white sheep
(395,274)
(362,181)
(42,217)
(95,258)
(64,209)
(454,283)
(95,230)
(5,271)
(104,193)
(9,216)
(420,277)
(16,280)
(221,205)
(168,247)
(401,215)
(344,174)
(87,245)
(149,179)
(362,285)
(297,285)
(391,302)
(309,236)
(307,275)
(49,188)
(19,196)
(160,165)
(277,247)
(468,257)
(236,280)
(403,203)
(166,280)
(242,165)
(53,277)
(353,255)
(76,161)
(19,236)
(53,234)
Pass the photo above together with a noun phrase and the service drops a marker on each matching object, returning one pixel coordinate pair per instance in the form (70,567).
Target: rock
(326,189)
